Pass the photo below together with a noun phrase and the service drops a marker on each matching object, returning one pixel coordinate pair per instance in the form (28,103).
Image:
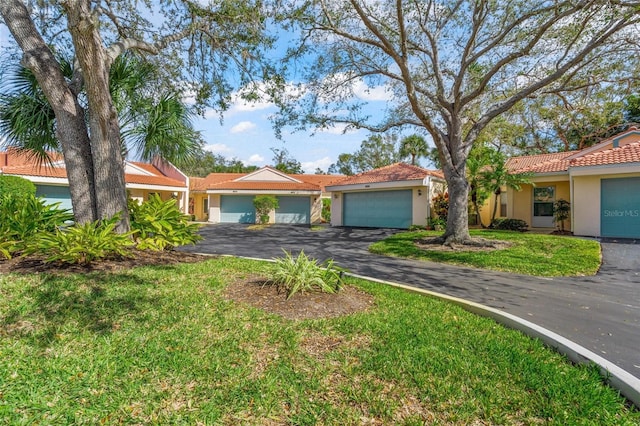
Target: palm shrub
(160,225)
(300,274)
(24,217)
(561,212)
(83,244)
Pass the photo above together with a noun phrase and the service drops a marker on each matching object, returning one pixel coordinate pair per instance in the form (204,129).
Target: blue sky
(247,134)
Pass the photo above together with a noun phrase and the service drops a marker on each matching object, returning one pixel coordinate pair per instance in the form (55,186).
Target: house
(228,197)
(601,182)
(142,179)
(395,196)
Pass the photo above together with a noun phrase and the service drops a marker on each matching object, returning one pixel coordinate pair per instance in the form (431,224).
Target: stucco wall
(214,208)
(585,208)
(316,209)
(336,209)
(520,203)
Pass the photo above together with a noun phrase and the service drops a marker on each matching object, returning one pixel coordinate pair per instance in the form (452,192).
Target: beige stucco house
(395,196)
(228,197)
(601,182)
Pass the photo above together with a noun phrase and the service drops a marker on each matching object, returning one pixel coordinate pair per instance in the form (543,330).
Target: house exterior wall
(316,210)
(336,209)
(214,208)
(198,206)
(520,203)
(142,195)
(586,206)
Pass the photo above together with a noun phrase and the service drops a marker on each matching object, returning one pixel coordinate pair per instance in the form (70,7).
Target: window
(205,205)
(543,198)
(503,204)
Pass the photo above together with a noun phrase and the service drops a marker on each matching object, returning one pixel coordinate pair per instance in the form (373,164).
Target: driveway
(601,312)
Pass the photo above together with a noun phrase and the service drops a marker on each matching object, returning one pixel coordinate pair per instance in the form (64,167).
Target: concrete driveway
(601,313)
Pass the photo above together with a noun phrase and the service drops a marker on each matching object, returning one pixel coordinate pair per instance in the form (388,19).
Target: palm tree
(151,125)
(414,146)
(477,164)
(497,176)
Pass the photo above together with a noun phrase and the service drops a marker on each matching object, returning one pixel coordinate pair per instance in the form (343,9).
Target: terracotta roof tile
(629,153)
(61,172)
(322,181)
(393,173)
(542,163)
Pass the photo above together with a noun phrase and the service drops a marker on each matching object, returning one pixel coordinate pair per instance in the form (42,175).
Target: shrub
(326,210)
(83,244)
(510,225)
(561,212)
(264,204)
(441,205)
(302,274)
(437,223)
(16,185)
(160,225)
(23,217)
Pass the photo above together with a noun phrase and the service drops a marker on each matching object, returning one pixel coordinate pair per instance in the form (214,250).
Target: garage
(237,209)
(620,207)
(55,194)
(293,210)
(378,209)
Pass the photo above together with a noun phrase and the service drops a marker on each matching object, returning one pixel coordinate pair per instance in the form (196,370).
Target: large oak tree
(452,67)
(210,42)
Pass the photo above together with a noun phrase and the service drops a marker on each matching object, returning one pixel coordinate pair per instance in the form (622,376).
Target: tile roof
(321,181)
(157,179)
(629,153)
(542,163)
(393,173)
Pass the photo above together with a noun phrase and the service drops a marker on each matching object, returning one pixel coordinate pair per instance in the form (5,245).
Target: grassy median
(162,345)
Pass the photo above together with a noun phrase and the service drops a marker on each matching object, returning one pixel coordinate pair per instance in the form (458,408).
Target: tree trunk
(108,164)
(71,127)
(496,195)
(458,217)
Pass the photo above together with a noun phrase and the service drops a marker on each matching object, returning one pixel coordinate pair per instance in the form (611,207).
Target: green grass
(530,254)
(161,345)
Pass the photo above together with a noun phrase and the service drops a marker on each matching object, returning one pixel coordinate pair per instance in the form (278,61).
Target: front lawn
(530,254)
(163,345)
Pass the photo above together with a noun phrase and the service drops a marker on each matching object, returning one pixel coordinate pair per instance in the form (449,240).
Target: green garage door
(237,209)
(620,208)
(378,209)
(55,194)
(293,210)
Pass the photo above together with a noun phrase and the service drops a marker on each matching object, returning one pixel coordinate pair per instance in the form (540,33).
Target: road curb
(619,379)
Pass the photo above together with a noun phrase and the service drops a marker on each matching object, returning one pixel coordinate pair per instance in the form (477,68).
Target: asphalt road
(601,312)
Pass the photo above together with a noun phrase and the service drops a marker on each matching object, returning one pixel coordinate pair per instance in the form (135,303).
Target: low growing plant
(24,217)
(510,225)
(83,244)
(16,185)
(160,225)
(301,274)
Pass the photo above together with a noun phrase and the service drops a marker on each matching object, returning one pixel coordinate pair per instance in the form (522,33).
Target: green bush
(326,210)
(82,244)
(24,217)
(302,274)
(509,225)
(441,205)
(160,225)
(264,204)
(16,185)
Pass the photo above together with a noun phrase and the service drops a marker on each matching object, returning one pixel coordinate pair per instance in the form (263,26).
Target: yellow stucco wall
(198,206)
(520,203)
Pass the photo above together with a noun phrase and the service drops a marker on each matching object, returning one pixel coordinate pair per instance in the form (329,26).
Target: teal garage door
(237,209)
(378,209)
(620,208)
(55,194)
(293,210)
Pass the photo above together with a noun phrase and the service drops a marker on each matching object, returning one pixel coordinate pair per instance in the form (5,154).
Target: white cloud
(311,166)
(366,93)
(254,160)
(243,126)
(218,148)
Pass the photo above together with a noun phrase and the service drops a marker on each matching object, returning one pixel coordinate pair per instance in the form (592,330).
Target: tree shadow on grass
(93,302)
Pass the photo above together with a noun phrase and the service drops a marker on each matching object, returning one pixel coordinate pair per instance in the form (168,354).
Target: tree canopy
(451,68)
(208,50)
(375,151)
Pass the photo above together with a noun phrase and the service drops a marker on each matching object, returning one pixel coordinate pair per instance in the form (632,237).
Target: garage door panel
(294,210)
(620,207)
(237,209)
(378,209)
(55,194)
